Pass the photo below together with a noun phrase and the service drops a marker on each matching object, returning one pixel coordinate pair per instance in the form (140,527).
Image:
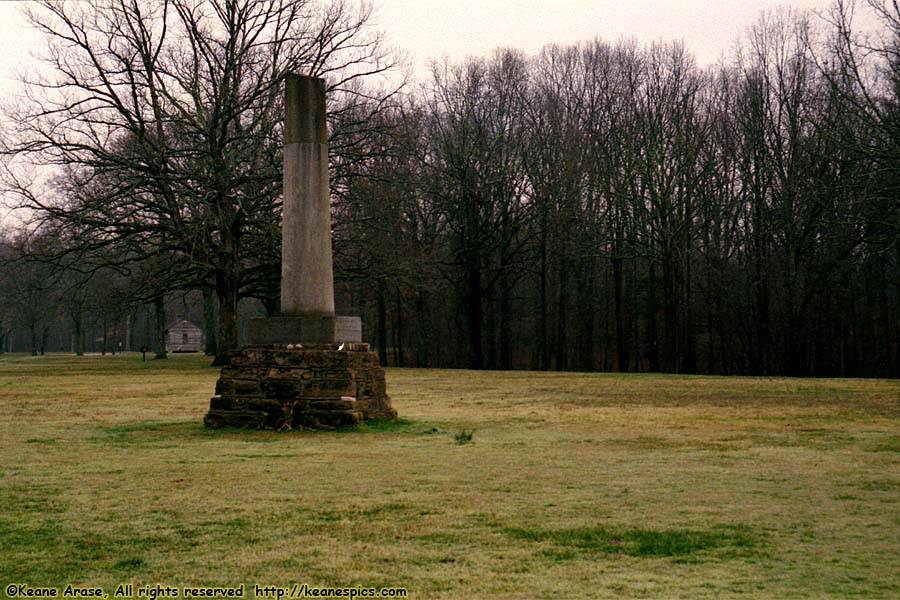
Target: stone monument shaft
(306,367)
(307,284)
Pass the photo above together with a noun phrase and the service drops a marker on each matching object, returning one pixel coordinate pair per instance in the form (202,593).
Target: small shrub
(464,437)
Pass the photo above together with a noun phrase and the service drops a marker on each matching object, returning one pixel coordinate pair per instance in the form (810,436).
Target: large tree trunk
(227,288)
(226,292)
(210,325)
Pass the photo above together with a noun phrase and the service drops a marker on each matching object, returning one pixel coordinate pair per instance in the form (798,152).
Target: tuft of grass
(129,564)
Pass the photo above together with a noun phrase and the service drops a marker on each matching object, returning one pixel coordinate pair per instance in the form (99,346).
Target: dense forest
(597,206)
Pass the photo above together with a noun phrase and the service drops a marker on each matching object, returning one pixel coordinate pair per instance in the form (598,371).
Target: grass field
(571,486)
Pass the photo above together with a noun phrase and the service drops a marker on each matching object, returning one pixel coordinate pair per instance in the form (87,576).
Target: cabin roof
(182,324)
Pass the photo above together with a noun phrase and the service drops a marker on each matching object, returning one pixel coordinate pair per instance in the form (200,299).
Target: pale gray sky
(432,28)
(429,29)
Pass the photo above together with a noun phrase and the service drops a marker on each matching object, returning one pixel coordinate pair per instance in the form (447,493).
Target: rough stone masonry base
(278,386)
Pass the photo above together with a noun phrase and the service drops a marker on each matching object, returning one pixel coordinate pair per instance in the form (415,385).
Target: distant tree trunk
(760,354)
(159,339)
(689,362)
(129,320)
(586,301)
(711,320)
(607,348)
(543,309)
(78,333)
(399,330)
(874,366)
(634,324)
(622,357)
(711,355)
(492,335)
(210,324)
(33,336)
(895,369)
(382,324)
(474,308)
(759,286)
(506,361)
(670,315)
(562,310)
(652,329)
(423,321)
(891,325)
(45,336)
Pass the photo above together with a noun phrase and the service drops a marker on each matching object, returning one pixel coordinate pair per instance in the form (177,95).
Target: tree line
(597,206)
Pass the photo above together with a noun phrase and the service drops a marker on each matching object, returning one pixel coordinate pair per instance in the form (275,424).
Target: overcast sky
(433,28)
(429,29)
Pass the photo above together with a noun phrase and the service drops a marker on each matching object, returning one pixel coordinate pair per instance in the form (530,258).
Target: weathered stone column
(305,367)
(307,283)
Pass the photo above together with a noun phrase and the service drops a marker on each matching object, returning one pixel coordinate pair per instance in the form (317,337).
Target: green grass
(643,542)
(573,486)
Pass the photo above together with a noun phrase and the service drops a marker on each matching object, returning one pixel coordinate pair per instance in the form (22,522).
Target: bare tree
(477,183)
(171,110)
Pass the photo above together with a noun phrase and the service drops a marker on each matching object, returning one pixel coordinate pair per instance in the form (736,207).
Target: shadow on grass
(399,425)
(166,433)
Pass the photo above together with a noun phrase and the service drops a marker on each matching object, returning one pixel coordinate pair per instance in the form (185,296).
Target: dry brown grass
(573,485)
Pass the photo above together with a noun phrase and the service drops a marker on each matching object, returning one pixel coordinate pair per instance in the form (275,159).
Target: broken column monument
(306,367)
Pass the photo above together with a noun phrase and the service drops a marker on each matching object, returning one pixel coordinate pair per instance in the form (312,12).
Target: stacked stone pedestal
(283,386)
